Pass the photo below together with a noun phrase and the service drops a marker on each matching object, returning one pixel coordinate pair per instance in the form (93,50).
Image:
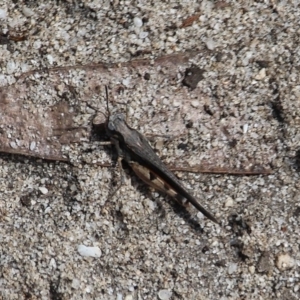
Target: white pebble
(164,294)
(284,262)
(89,251)
(24,67)
(143,34)
(119,296)
(195,103)
(171,39)
(137,22)
(75,283)
(210,44)
(37,44)
(32,145)
(129,297)
(43,190)
(131,288)
(50,59)
(245,128)
(47,210)
(126,82)
(229,202)
(2,14)
(52,263)
(27,12)
(177,103)
(150,204)
(13,145)
(232,268)
(113,47)
(252,269)
(261,75)
(3,80)
(247,57)
(10,67)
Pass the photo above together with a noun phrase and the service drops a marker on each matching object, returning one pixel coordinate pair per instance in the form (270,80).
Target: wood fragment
(25,115)
(190,20)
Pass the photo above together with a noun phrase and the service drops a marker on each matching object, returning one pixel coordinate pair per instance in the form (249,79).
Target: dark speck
(297,160)
(145,19)
(189,124)
(277,110)
(221,263)
(192,76)
(4,39)
(262,63)
(205,249)
(232,143)
(182,146)
(297,212)
(208,110)
(219,57)
(147,76)
(26,200)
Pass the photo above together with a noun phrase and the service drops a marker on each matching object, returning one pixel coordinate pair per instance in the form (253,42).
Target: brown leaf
(43,111)
(190,20)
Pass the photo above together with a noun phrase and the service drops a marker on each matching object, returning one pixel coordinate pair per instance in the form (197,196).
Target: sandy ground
(242,112)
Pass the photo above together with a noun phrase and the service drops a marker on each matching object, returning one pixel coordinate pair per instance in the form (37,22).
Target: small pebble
(126,82)
(261,75)
(137,22)
(119,296)
(159,144)
(245,128)
(252,269)
(13,145)
(89,251)
(50,59)
(247,57)
(43,190)
(3,14)
(143,34)
(10,67)
(284,262)
(27,12)
(195,103)
(52,263)
(75,283)
(229,202)
(32,145)
(164,294)
(210,44)
(232,268)
(131,288)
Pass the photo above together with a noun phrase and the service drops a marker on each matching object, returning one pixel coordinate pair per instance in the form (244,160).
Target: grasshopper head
(116,125)
(114,121)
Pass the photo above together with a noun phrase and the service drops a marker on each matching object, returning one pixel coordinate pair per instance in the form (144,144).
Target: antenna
(106,92)
(99,111)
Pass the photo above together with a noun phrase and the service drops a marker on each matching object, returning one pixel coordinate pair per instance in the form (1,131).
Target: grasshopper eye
(120,117)
(111,125)
(115,121)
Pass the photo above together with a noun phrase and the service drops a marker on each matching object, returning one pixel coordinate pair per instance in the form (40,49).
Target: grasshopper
(135,149)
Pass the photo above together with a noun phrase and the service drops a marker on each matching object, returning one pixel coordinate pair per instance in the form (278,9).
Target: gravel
(64,237)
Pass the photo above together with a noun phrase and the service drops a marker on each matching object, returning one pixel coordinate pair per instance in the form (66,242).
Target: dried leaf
(46,111)
(42,111)
(190,20)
